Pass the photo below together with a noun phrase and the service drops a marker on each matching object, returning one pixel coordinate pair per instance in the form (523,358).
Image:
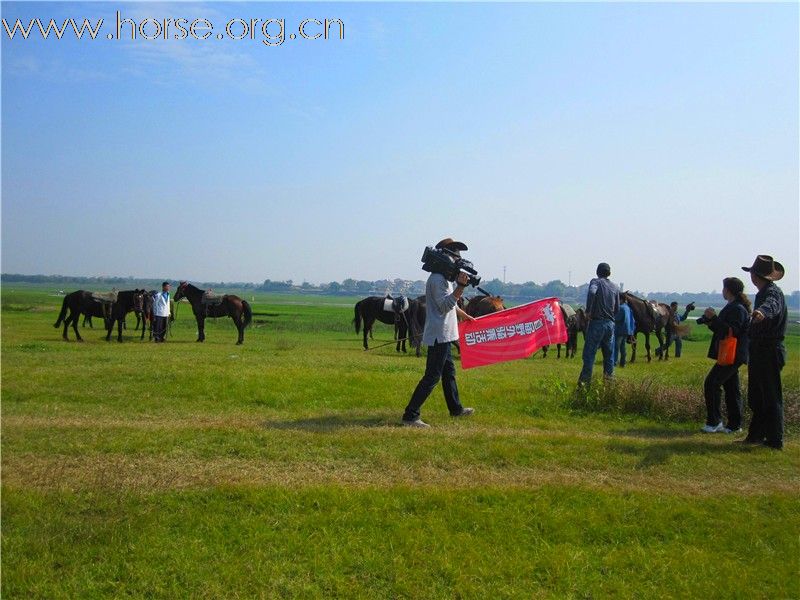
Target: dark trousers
(726,378)
(159,328)
(439,365)
(765,393)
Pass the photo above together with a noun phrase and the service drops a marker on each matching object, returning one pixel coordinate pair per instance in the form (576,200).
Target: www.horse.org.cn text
(270,32)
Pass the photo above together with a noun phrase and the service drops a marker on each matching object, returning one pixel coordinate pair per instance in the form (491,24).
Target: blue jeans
(668,343)
(620,351)
(439,366)
(599,334)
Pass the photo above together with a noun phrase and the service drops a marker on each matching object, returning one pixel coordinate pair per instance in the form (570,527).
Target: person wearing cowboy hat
(767,354)
(441,330)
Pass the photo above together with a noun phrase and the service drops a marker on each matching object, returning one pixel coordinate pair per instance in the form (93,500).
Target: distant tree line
(515,293)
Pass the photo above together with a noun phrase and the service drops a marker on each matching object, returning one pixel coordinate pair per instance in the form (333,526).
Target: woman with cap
(767,354)
(734,318)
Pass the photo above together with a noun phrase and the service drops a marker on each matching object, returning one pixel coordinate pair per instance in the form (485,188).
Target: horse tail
(357,319)
(248,313)
(63,313)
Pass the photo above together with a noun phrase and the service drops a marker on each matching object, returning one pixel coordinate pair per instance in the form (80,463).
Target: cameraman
(441,329)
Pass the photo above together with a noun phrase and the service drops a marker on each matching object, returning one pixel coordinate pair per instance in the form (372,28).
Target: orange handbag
(726,353)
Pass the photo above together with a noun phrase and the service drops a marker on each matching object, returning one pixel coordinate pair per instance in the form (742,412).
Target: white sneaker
(713,428)
(416,423)
(727,430)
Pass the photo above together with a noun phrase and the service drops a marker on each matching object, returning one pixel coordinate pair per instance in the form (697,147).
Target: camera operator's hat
(452,245)
(766,267)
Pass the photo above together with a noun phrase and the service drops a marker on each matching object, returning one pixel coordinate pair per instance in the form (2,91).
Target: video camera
(449,264)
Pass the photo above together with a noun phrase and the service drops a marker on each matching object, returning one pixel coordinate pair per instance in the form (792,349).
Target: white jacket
(161,304)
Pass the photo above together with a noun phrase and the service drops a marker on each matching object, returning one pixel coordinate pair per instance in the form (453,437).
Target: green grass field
(278,469)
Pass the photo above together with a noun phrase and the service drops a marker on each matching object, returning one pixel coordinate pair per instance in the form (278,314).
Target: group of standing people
(758,330)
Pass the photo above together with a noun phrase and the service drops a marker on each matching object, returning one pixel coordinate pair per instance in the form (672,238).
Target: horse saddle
(395,305)
(105,297)
(569,312)
(211,299)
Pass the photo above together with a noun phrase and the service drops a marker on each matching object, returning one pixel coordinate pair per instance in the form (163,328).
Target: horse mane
(188,285)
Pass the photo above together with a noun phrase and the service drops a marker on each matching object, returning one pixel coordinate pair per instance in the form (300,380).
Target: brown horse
(372,309)
(228,305)
(650,317)
(478,306)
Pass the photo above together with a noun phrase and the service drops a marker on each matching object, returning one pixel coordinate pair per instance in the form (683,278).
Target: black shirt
(771,303)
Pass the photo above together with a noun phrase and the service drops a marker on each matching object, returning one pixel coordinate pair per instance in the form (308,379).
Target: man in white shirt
(160,312)
(441,330)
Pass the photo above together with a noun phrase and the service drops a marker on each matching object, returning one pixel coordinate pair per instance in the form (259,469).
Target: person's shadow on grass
(330,423)
(659,452)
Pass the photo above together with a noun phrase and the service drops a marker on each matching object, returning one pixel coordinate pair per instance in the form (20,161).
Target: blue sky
(660,138)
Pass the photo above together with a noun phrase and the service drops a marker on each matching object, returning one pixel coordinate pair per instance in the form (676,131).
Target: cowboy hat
(451,244)
(766,267)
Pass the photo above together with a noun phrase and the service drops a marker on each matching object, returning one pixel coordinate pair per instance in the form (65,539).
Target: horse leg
(664,354)
(240,328)
(633,348)
(544,351)
(558,350)
(368,321)
(67,321)
(120,324)
(401,331)
(201,326)
(72,320)
(647,346)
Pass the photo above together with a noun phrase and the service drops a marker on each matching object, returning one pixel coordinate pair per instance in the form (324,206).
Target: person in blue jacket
(624,328)
(733,318)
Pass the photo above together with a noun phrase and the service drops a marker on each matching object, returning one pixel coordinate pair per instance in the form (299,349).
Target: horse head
(181,293)
(138,299)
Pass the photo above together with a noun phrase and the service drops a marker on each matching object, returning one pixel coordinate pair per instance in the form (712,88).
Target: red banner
(511,334)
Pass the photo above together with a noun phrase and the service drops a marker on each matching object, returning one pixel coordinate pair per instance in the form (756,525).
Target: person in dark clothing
(734,318)
(767,354)
(602,304)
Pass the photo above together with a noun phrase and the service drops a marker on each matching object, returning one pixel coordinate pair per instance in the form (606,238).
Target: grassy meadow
(278,469)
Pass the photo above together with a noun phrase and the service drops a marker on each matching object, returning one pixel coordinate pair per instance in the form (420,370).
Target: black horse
(572,323)
(372,309)
(85,303)
(77,304)
(126,302)
(204,305)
